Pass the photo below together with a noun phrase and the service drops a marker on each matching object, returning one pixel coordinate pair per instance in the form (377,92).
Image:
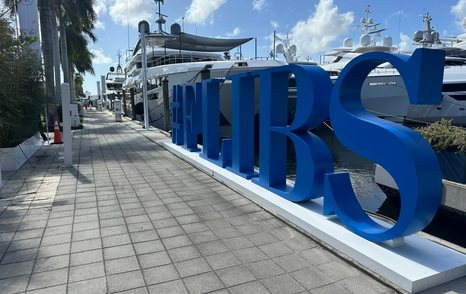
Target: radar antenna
(160,21)
(119,69)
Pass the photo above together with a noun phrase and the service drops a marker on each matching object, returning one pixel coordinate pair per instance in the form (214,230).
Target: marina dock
(131,217)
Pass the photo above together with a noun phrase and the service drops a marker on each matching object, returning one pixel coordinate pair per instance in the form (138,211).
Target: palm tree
(77,20)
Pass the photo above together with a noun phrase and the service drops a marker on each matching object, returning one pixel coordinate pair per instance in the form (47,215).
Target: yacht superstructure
(186,58)
(384,93)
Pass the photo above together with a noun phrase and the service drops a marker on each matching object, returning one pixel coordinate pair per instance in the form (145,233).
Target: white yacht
(114,80)
(384,93)
(186,58)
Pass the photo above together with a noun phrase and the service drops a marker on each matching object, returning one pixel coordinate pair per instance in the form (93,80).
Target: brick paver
(131,216)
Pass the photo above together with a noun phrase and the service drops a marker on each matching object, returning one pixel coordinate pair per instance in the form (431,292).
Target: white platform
(417,265)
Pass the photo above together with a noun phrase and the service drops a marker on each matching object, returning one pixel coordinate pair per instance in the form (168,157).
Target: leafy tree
(21,88)
(78,85)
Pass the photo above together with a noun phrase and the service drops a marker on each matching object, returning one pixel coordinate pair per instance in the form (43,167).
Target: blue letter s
(402,152)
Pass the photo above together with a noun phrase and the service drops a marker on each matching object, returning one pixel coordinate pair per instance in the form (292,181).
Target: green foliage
(21,88)
(78,85)
(442,135)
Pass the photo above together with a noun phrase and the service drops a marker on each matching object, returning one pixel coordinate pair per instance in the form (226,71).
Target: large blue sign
(401,151)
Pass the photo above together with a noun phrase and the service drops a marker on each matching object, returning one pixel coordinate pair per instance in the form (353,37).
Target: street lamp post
(144,30)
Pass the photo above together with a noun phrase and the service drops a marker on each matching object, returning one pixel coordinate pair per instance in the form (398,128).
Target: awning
(185,41)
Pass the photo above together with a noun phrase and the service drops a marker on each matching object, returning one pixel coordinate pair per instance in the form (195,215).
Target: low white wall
(13,158)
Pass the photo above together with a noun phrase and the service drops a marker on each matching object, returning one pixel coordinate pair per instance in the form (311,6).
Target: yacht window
(459,97)
(337,59)
(454,62)
(454,87)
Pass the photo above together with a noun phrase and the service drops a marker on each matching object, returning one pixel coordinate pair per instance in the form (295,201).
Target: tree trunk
(64,54)
(56,54)
(47,53)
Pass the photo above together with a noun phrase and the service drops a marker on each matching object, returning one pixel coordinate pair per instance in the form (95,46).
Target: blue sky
(315,26)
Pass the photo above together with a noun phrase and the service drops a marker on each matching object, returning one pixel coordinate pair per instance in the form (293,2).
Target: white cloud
(259,4)
(274,24)
(100,57)
(100,6)
(322,27)
(99,25)
(236,31)
(201,10)
(405,43)
(124,12)
(459,11)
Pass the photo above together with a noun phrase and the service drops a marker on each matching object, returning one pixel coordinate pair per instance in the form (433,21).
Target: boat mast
(160,21)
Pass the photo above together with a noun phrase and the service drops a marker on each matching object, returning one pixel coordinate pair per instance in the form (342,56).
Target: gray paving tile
(170,232)
(235,275)
(121,265)
(154,259)
(94,286)
(85,257)
(184,253)
(142,290)
(175,242)
(202,237)
(18,256)
(23,244)
(203,283)
(87,271)
(16,269)
(283,284)
(264,269)
(163,223)
(262,238)
(53,250)
(144,236)
(332,288)
(116,240)
(111,231)
(238,243)
(192,267)
(85,245)
(251,254)
(160,274)
(211,248)
(292,262)
(316,256)
(222,260)
(51,263)
(48,279)
(14,284)
(56,239)
(338,270)
(173,287)
(86,235)
(365,285)
(58,230)
(22,235)
(252,287)
(139,227)
(60,289)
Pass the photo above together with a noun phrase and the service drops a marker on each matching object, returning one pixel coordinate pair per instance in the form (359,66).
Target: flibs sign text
(401,151)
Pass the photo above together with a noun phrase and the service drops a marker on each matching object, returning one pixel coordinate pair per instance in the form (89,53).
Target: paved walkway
(131,217)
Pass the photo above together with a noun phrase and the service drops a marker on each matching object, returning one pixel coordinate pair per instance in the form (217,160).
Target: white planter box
(13,158)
